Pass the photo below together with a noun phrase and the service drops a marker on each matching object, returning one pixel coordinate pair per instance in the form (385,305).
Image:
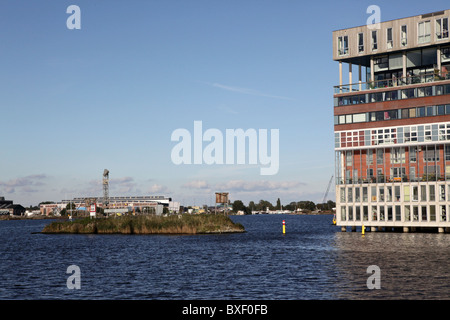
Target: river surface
(313,260)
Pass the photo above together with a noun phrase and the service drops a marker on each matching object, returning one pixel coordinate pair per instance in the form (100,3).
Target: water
(314,260)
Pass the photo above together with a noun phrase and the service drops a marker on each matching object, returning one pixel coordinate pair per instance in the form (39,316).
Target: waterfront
(313,260)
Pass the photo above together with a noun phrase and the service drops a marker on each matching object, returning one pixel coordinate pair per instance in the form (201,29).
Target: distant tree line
(262,205)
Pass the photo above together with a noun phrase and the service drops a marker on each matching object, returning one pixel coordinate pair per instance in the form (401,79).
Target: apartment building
(392,124)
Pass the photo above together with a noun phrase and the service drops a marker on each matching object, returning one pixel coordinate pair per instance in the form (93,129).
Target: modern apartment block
(392,124)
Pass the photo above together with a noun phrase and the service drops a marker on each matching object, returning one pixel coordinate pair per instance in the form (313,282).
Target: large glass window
(390,42)
(424,32)
(430,155)
(442,28)
(397,155)
(407,213)
(406,196)
(374,40)
(431,192)
(380,154)
(403,36)
(361,42)
(343,45)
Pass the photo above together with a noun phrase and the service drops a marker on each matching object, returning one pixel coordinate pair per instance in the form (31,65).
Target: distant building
(8,208)
(136,204)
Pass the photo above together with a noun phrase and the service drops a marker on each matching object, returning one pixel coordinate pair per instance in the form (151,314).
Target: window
(398,173)
(424,91)
(424,213)
(390,42)
(431,192)
(397,194)
(423,193)
(397,155)
(432,213)
(360,42)
(424,32)
(405,113)
(407,213)
(406,193)
(369,157)
(380,156)
(381,63)
(443,214)
(398,215)
(348,158)
(388,194)
(381,194)
(447,152)
(415,193)
(431,155)
(342,194)
(357,194)
(403,36)
(365,196)
(343,45)
(442,192)
(442,28)
(374,40)
(410,134)
(412,154)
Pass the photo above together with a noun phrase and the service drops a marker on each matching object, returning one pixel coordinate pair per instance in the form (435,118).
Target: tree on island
(238,205)
(278,204)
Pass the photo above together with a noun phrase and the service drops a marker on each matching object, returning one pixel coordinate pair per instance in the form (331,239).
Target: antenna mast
(105,188)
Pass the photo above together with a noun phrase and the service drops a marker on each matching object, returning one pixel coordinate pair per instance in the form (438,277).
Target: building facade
(392,124)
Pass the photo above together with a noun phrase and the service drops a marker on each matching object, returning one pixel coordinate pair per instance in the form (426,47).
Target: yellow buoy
(284,227)
(363,230)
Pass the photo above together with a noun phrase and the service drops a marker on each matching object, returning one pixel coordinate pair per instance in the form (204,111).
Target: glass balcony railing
(391,83)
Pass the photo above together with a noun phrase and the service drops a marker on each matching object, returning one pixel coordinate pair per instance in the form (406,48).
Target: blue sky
(74,102)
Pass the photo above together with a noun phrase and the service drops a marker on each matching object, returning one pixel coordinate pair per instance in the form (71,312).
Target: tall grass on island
(148,224)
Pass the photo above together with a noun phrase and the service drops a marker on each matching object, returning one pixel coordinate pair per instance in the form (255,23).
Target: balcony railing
(393,179)
(394,82)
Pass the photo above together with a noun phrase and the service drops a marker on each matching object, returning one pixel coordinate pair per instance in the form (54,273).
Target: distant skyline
(109,95)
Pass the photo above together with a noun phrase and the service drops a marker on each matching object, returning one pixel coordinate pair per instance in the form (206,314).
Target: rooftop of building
(421,31)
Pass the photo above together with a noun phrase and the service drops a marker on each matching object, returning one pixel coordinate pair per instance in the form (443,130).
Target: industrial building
(140,204)
(392,124)
(7,207)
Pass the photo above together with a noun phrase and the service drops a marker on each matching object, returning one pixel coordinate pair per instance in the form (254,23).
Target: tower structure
(392,125)
(105,188)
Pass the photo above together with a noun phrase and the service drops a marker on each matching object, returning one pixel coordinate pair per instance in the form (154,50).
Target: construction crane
(328,189)
(105,188)
(326,192)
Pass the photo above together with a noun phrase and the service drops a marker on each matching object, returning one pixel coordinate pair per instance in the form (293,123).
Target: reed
(176,224)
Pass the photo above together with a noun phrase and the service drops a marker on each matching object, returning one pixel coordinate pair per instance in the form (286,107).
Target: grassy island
(148,224)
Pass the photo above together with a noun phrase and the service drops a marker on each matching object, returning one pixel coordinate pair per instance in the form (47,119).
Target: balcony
(391,83)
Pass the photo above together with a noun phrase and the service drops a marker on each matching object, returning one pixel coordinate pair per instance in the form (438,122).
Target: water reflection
(413,265)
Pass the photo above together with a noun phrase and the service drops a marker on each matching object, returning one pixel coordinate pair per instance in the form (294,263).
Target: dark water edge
(313,260)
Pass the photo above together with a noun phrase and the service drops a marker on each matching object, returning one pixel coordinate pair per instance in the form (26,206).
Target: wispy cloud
(197,184)
(157,188)
(247,91)
(24,184)
(245,186)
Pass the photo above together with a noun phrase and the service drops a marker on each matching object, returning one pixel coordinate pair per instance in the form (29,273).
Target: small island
(148,224)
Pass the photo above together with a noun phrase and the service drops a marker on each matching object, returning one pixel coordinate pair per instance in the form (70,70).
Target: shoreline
(182,224)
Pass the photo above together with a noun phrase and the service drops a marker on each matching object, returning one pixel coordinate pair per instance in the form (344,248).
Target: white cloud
(156,188)
(24,184)
(253,186)
(198,184)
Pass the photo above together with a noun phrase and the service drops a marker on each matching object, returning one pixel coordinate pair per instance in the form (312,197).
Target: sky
(110,94)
